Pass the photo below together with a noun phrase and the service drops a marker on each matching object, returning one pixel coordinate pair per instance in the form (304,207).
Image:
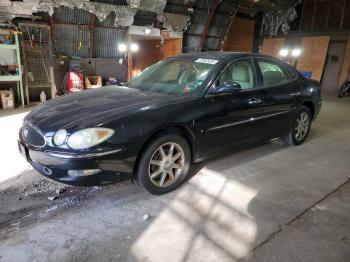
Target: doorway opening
(333,65)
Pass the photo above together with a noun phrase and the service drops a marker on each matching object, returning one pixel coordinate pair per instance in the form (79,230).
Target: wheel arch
(310,105)
(176,128)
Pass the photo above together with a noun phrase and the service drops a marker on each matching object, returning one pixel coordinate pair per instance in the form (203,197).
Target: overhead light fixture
(284,52)
(134,47)
(122,47)
(147,31)
(296,52)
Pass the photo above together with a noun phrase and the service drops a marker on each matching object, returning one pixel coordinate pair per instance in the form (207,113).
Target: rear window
(272,73)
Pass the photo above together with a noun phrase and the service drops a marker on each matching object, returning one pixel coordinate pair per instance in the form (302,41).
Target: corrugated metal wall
(106,42)
(71,16)
(71,34)
(70,41)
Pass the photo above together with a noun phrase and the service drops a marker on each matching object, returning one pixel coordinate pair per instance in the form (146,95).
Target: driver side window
(240,72)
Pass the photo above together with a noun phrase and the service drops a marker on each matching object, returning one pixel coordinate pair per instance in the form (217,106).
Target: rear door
(280,98)
(232,119)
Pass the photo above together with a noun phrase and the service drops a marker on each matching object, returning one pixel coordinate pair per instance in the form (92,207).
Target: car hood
(94,107)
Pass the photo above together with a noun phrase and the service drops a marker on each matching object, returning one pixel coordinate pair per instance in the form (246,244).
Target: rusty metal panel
(106,42)
(71,16)
(70,41)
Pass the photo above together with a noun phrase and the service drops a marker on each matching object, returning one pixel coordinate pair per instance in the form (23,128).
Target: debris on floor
(51,198)
(146,217)
(41,187)
(28,203)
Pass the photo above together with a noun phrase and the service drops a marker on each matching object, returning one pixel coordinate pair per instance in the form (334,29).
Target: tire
(298,134)
(156,171)
(344,89)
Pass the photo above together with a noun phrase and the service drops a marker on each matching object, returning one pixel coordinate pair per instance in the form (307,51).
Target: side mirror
(228,87)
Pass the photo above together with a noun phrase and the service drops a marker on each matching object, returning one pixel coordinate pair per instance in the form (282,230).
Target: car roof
(219,55)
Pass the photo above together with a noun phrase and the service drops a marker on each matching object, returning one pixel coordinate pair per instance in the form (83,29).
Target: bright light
(284,52)
(296,52)
(122,47)
(134,47)
(147,31)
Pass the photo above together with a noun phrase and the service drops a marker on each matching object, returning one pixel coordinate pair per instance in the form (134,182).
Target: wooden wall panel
(314,51)
(240,37)
(307,15)
(314,55)
(272,46)
(321,10)
(346,21)
(325,15)
(151,52)
(345,70)
(335,14)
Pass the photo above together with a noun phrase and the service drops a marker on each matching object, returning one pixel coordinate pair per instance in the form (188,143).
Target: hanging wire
(42,58)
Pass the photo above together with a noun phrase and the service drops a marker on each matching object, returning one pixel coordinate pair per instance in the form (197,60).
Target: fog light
(85,172)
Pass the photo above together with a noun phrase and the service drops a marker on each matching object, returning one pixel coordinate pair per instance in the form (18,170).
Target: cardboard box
(93,81)
(4,31)
(7,99)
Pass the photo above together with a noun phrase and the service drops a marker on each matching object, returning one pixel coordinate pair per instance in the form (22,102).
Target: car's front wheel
(164,164)
(301,128)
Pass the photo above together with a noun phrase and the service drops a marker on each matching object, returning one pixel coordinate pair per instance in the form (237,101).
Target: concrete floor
(263,203)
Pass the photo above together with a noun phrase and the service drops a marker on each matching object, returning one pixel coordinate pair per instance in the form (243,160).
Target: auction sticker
(206,61)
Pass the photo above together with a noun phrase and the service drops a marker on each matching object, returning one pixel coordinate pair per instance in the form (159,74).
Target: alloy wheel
(166,164)
(301,126)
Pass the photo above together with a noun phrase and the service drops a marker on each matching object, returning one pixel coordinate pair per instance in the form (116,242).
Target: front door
(232,119)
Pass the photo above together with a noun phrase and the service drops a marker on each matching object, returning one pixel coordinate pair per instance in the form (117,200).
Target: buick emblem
(25,132)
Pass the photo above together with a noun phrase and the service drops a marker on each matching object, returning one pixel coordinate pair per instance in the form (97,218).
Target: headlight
(89,137)
(60,137)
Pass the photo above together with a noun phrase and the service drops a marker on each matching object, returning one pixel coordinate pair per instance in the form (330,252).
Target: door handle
(296,94)
(254,101)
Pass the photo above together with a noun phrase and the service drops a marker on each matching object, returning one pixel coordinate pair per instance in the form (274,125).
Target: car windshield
(177,76)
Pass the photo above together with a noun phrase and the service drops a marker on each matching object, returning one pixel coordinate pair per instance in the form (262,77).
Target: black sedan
(177,112)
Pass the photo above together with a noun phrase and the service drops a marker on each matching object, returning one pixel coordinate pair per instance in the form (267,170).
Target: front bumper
(115,165)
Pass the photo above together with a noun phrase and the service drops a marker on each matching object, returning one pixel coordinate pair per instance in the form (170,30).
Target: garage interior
(265,202)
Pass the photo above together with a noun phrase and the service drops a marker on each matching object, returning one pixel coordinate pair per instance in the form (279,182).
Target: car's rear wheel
(301,128)
(164,164)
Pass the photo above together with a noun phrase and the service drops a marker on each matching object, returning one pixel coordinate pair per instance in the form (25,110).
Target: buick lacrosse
(175,113)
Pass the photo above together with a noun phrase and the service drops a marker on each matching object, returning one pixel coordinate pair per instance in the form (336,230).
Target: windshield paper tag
(206,61)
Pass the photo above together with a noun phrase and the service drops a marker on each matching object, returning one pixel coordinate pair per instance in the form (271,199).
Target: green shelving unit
(15,78)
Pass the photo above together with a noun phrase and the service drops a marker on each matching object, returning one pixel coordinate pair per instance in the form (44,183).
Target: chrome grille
(32,136)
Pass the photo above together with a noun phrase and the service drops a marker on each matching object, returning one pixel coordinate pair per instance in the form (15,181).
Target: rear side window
(272,74)
(292,72)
